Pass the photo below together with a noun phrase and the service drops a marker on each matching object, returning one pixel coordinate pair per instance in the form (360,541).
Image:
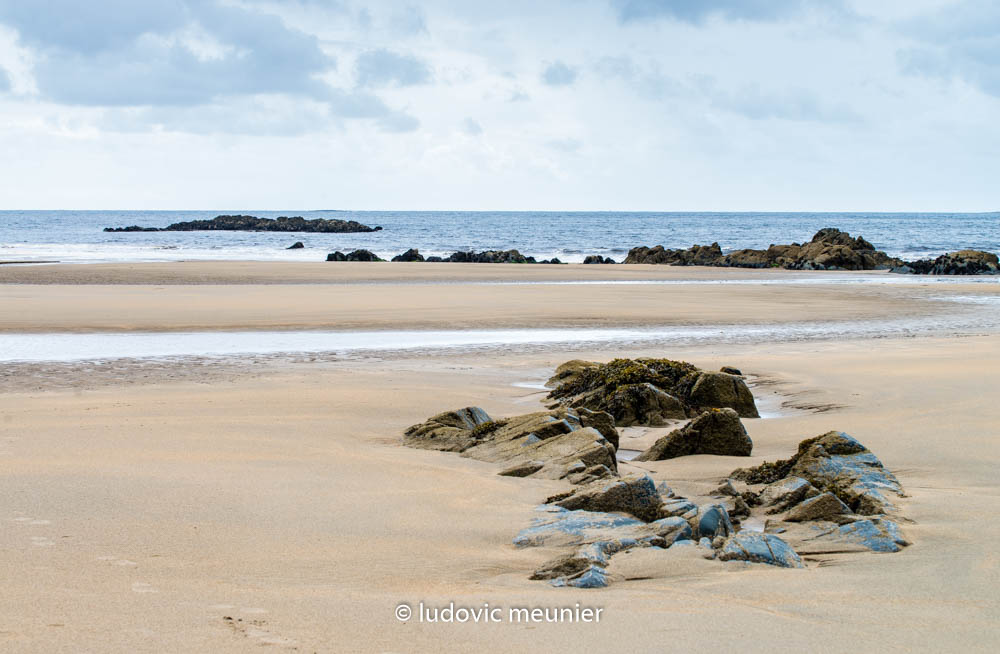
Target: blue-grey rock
(713,520)
(825,506)
(786,493)
(877,534)
(756,547)
(838,463)
(679,506)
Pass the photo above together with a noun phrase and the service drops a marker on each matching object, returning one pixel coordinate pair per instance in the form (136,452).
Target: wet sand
(143,511)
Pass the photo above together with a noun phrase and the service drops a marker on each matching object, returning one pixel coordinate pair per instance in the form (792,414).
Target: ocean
(77,236)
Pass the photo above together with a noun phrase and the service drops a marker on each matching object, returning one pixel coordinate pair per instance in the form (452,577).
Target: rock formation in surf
(255,224)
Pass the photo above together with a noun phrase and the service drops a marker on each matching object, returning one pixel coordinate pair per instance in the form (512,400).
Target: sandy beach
(246,502)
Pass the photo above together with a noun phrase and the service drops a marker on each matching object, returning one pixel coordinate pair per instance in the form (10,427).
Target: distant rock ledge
(255,224)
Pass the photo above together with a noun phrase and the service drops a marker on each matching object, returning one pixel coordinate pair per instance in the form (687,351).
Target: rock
(837,463)
(434,259)
(297,245)
(756,547)
(829,249)
(963,262)
(356,255)
(721,390)
(410,255)
(570,371)
(601,421)
(727,489)
(643,404)
(729,370)
(634,494)
(525,469)
(737,507)
(596,258)
(490,256)
(561,528)
(254,224)
(678,508)
(786,493)
(718,431)
(825,506)
(560,439)
(875,534)
(712,520)
(450,431)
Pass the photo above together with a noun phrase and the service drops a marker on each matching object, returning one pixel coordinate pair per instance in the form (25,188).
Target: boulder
(410,255)
(570,371)
(785,493)
(646,391)
(837,463)
(825,506)
(560,439)
(722,390)
(729,370)
(596,258)
(254,224)
(356,255)
(717,431)
(963,262)
(297,245)
(711,521)
(756,547)
(451,431)
(633,494)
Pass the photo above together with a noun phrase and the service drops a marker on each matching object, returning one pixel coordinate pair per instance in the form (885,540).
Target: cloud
(408,21)
(380,68)
(559,74)
(960,42)
(4,81)
(472,127)
(794,103)
(698,11)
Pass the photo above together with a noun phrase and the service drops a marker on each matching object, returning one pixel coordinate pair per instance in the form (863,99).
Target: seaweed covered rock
(963,262)
(356,255)
(717,431)
(563,443)
(649,391)
(719,390)
(633,494)
(837,463)
(829,249)
(411,255)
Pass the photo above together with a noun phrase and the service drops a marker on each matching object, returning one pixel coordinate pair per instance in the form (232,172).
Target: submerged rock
(297,245)
(756,547)
(718,431)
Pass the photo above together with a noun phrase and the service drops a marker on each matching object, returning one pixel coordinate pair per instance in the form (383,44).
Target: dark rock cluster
(648,391)
(963,262)
(829,249)
(833,494)
(255,224)
(356,255)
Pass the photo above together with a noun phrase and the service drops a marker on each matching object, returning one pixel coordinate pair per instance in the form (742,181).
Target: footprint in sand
(253,629)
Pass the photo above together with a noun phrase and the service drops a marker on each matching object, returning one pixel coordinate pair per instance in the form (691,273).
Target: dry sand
(140,516)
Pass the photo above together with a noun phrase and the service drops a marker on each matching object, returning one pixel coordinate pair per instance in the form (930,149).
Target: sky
(655,105)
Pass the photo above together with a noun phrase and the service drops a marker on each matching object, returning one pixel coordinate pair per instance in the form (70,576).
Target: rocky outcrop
(760,548)
(648,391)
(255,224)
(717,431)
(356,255)
(596,258)
(560,444)
(633,494)
(829,249)
(297,245)
(837,463)
(411,255)
(963,262)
